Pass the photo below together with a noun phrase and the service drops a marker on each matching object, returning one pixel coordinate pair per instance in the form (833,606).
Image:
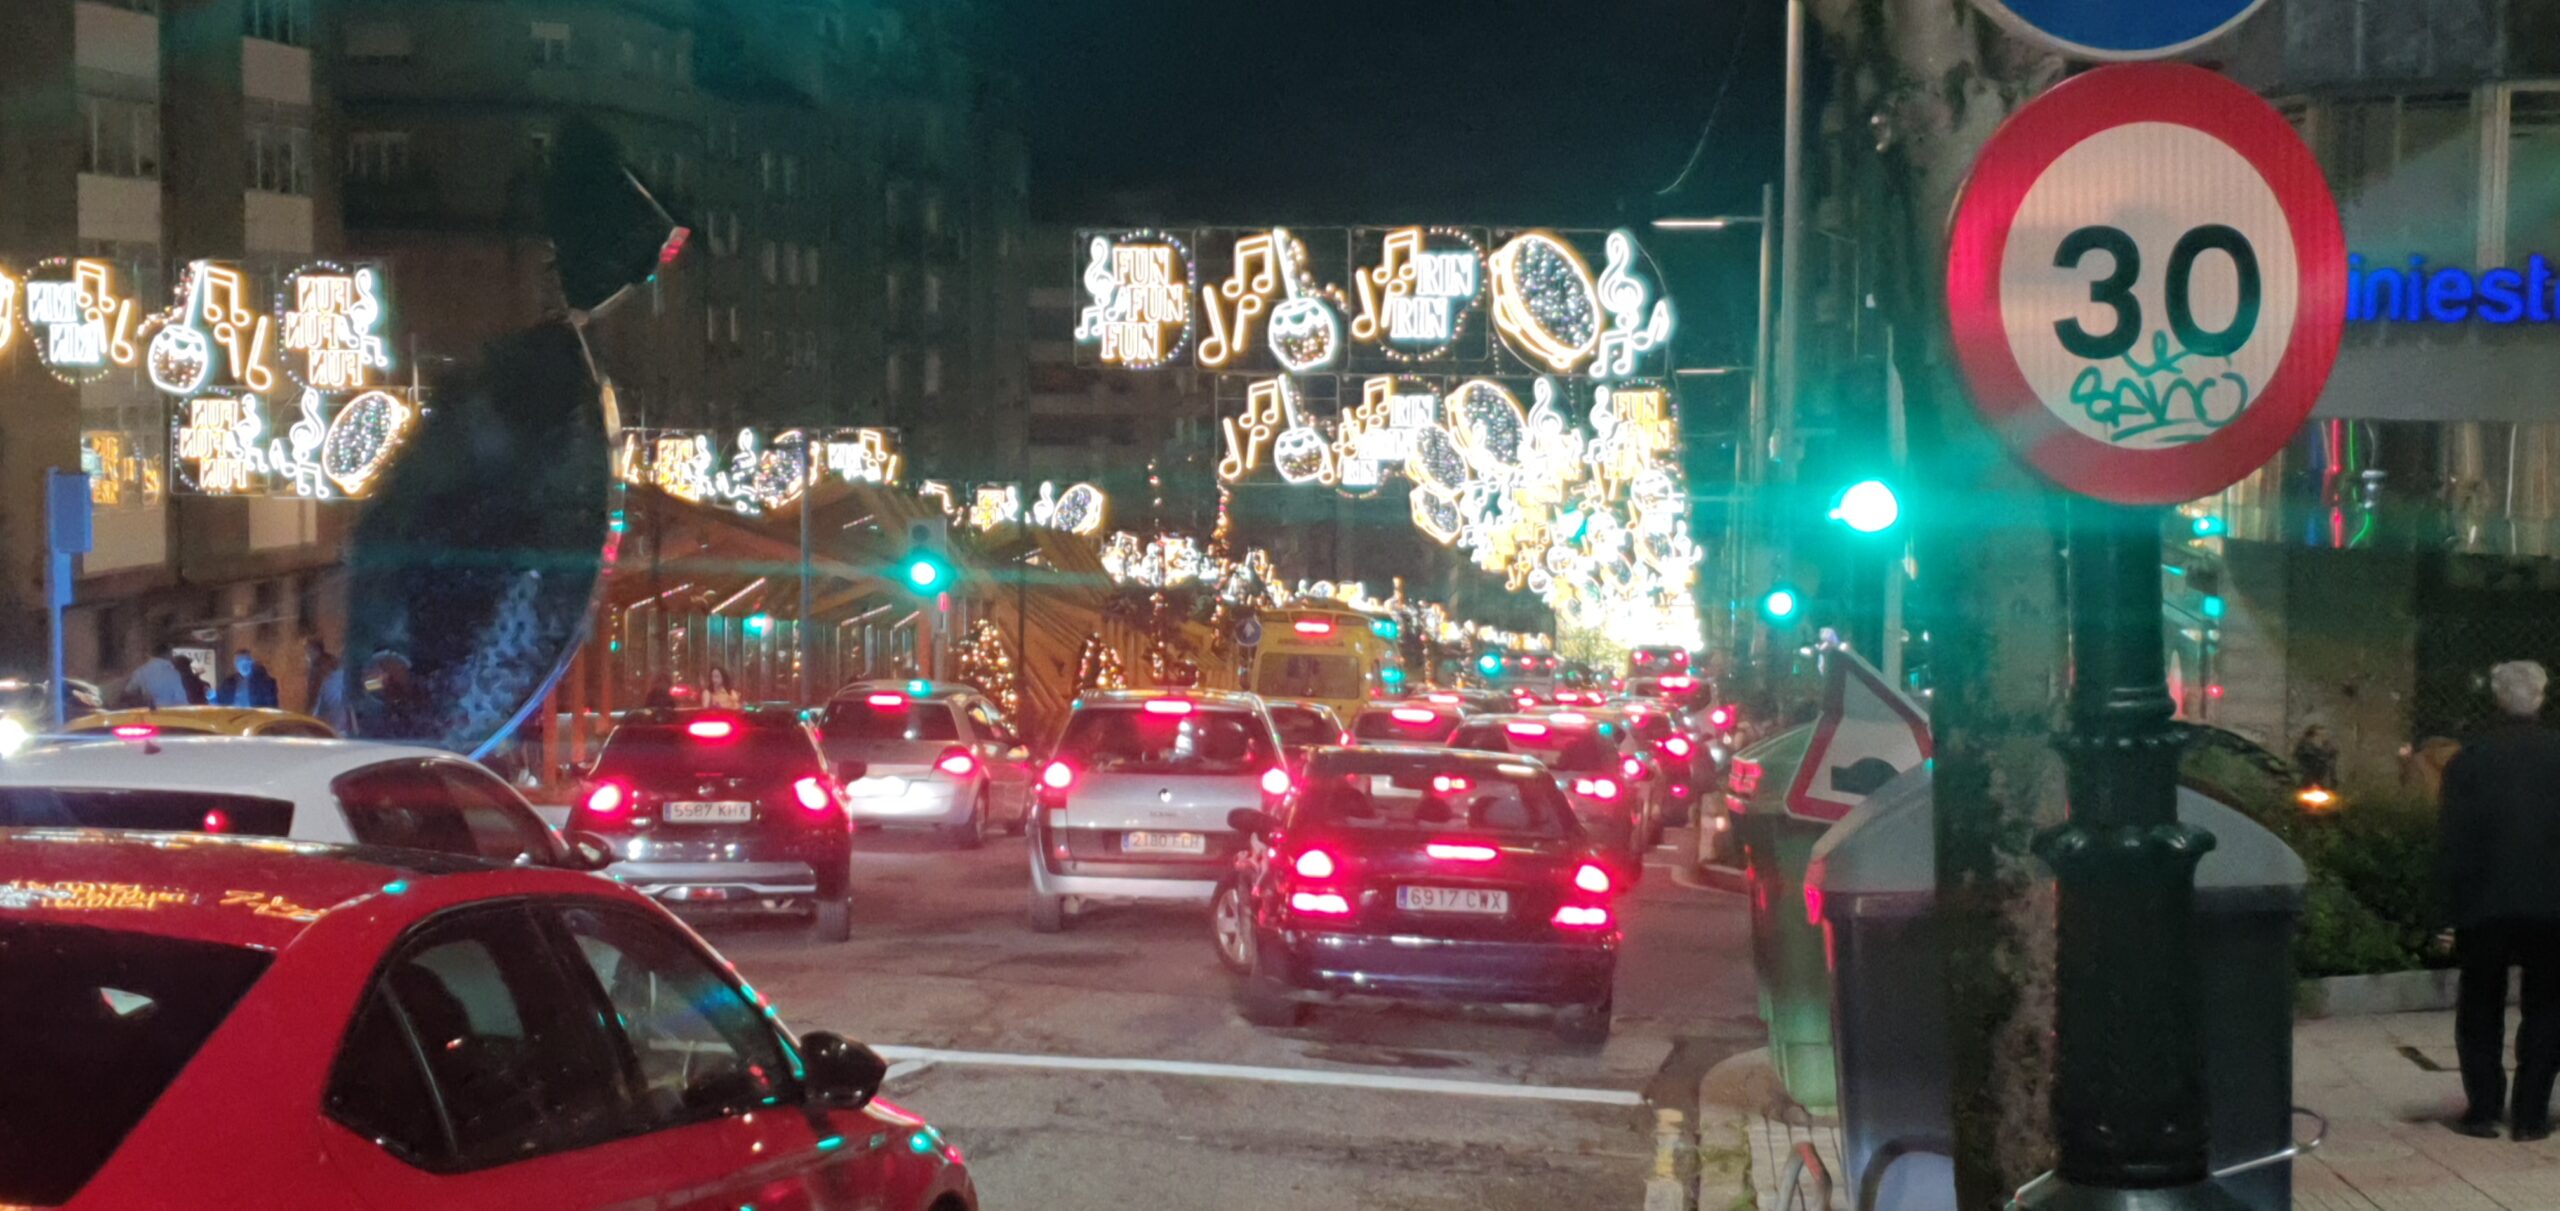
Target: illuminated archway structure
(1518,380)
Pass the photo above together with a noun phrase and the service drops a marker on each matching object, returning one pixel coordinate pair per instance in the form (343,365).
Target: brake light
(1525,729)
(1581,916)
(1593,879)
(217,821)
(1678,683)
(1446,783)
(1723,718)
(1745,778)
(1570,716)
(1677,746)
(711,729)
(1632,767)
(887,700)
(1345,739)
(1315,864)
(607,798)
(1058,776)
(957,763)
(1597,788)
(1415,715)
(1168,706)
(812,794)
(1442,699)
(1450,852)
(1313,626)
(135,731)
(1319,903)
(1275,782)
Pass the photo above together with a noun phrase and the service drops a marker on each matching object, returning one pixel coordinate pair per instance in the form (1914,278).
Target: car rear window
(168,811)
(1301,726)
(861,719)
(1383,725)
(1412,795)
(1307,675)
(1130,739)
(649,753)
(118,1015)
(1568,751)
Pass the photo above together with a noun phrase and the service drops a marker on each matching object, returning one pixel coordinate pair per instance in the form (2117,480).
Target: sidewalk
(2386,1084)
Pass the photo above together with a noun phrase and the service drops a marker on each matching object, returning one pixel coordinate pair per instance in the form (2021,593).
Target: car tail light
(217,821)
(1581,916)
(1449,851)
(1525,729)
(134,731)
(1168,706)
(812,794)
(1275,782)
(711,729)
(1632,767)
(1442,699)
(1593,879)
(1597,788)
(607,798)
(1315,864)
(1678,683)
(1723,718)
(1348,739)
(1319,903)
(1313,626)
(1677,746)
(887,700)
(1058,776)
(1415,715)
(1448,783)
(1570,717)
(1745,778)
(957,762)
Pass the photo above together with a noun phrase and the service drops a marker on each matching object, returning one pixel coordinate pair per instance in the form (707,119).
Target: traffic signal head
(1490,664)
(1867,506)
(2211,525)
(924,572)
(1780,604)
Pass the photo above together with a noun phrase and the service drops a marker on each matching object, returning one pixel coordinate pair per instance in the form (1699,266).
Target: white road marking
(905,1060)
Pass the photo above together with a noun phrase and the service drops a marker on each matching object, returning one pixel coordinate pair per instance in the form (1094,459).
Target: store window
(2533,206)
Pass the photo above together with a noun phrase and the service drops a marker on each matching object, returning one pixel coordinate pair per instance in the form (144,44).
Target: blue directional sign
(2117,30)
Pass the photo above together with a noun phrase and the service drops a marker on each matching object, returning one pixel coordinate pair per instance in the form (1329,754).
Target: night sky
(1344,111)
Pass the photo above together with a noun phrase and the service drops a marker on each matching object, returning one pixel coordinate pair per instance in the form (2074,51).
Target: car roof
(1432,754)
(1230,698)
(244,891)
(931,690)
(237,764)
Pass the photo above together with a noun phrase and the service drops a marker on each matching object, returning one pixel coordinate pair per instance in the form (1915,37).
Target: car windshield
(1387,725)
(118,1014)
(150,810)
(1128,739)
(1307,675)
(1371,792)
(1301,727)
(660,752)
(894,717)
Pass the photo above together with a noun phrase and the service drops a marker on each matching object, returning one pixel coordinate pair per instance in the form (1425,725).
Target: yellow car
(208,721)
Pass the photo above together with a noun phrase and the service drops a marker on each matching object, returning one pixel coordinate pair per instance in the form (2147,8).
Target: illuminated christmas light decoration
(1544,303)
(333,317)
(217,441)
(986,664)
(1486,419)
(866,456)
(1633,328)
(753,473)
(12,302)
(1140,286)
(1232,305)
(119,473)
(82,325)
(1081,509)
(361,439)
(1269,406)
(995,506)
(1416,301)
(1306,332)
(211,339)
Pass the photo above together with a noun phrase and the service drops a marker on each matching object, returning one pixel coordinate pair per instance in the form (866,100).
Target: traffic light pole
(2129,1097)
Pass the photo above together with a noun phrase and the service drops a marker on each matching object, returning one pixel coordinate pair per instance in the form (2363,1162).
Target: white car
(348,791)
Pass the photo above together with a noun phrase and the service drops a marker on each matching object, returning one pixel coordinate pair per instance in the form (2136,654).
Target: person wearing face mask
(249,683)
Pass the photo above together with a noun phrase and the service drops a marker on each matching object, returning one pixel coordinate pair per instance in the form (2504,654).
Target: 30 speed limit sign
(2146,282)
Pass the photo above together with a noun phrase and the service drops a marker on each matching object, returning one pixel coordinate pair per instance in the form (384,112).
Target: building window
(764,170)
(711,325)
(896,364)
(383,155)
(734,337)
(285,21)
(280,159)
(382,43)
(932,372)
(551,43)
(791,264)
(892,204)
(140,6)
(890,294)
(933,215)
(790,176)
(538,139)
(124,137)
(809,267)
(630,58)
(765,258)
(933,294)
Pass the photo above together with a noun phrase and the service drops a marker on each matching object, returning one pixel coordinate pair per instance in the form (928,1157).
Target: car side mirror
(1252,821)
(588,852)
(849,769)
(843,1074)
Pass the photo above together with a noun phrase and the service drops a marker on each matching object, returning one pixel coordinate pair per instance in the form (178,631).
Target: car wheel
(1048,913)
(1585,1024)
(1231,927)
(1265,1001)
(834,920)
(972,833)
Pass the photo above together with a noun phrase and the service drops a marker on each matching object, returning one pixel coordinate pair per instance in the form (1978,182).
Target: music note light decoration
(212,340)
(81,320)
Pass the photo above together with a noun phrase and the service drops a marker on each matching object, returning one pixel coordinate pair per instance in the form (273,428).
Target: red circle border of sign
(2010,163)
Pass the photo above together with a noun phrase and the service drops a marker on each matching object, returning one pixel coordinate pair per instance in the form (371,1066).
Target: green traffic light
(1779,604)
(2211,525)
(1490,663)
(925,573)
(1868,507)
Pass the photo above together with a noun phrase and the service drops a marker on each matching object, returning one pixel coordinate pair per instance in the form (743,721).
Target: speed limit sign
(2146,282)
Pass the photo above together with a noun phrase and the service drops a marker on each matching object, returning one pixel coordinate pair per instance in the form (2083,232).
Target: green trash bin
(1786,946)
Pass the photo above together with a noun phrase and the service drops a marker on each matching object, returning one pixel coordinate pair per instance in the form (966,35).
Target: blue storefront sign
(2416,292)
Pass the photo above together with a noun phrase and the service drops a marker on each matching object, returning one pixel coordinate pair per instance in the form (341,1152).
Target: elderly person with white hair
(2498,868)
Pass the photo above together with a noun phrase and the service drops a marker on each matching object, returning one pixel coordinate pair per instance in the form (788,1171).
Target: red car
(292,1024)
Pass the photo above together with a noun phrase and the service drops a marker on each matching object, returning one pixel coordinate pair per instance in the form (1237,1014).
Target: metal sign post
(69,531)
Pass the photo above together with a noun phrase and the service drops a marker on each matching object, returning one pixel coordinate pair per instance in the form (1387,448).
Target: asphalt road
(1104,1069)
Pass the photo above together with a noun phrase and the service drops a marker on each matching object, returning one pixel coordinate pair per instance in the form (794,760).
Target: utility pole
(808,594)
(1783,444)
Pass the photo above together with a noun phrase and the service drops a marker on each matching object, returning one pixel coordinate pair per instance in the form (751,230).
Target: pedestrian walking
(157,682)
(2498,843)
(318,669)
(249,683)
(198,693)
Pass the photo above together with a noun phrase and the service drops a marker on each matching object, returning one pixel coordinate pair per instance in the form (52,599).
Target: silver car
(934,754)
(1133,803)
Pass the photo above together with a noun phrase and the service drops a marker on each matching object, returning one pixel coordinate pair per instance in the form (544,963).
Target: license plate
(1164,843)
(724,812)
(1453,899)
(878,788)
